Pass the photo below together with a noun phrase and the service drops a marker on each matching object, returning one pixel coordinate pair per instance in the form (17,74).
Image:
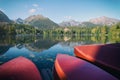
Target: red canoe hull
(19,69)
(106,55)
(72,68)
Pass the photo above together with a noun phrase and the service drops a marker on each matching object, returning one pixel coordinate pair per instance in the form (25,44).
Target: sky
(61,10)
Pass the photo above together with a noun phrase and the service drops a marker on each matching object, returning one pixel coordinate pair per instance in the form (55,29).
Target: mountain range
(104,20)
(4,18)
(92,22)
(40,21)
(19,21)
(77,23)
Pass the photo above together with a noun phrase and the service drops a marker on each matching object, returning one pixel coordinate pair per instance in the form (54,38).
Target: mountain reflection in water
(42,50)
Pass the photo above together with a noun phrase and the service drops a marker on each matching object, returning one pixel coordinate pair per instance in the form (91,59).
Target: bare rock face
(40,21)
(19,21)
(100,21)
(104,20)
(69,23)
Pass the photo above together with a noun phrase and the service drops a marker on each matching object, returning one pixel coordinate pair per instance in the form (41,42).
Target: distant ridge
(19,21)
(104,20)
(4,18)
(69,23)
(100,21)
(40,21)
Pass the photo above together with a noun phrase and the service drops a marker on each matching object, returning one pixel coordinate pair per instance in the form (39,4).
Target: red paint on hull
(72,68)
(107,55)
(19,69)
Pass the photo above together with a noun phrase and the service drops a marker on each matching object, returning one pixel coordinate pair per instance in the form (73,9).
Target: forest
(22,29)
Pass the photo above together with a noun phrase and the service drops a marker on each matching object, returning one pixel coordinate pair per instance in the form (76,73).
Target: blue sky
(60,10)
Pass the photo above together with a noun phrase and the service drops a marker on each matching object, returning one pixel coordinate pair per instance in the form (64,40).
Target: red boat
(19,69)
(107,55)
(71,68)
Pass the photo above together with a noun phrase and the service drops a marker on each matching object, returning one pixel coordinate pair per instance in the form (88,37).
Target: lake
(42,50)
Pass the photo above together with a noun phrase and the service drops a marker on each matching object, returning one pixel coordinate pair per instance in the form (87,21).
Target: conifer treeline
(14,29)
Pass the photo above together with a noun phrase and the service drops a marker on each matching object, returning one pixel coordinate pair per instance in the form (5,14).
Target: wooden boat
(19,69)
(106,56)
(71,68)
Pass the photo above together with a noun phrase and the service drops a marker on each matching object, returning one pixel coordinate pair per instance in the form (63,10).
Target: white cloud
(32,11)
(68,17)
(35,8)
(35,5)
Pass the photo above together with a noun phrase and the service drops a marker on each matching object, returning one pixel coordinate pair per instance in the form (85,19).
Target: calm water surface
(42,50)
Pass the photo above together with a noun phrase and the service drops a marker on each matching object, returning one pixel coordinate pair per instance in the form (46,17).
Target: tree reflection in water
(42,50)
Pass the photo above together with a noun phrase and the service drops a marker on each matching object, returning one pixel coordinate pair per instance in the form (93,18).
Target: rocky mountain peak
(3,17)
(69,23)
(104,20)
(19,21)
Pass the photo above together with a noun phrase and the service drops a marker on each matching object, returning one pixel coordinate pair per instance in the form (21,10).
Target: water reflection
(42,50)
(40,45)
(4,49)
